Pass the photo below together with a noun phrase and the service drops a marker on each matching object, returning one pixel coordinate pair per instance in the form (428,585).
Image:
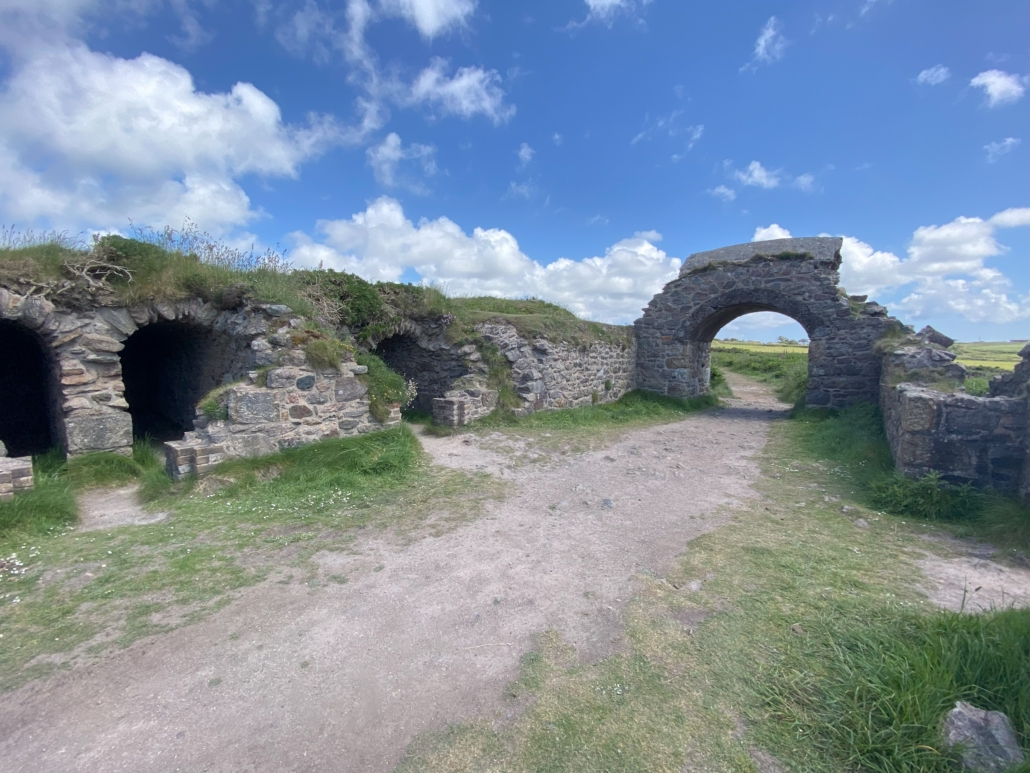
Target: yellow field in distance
(984,354)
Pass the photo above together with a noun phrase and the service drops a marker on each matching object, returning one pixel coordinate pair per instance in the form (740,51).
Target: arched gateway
(795,277)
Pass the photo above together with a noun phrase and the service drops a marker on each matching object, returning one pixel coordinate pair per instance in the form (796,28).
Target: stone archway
(167,367)
(794,277)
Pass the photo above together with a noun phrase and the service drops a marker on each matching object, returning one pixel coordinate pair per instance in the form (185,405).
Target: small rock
(831,499)
(694,585)
(797,629)
(607,503)
(986,740)
(3,449)
(862,523)
(846,509)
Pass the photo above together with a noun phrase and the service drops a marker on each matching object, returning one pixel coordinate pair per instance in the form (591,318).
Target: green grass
(83,592)
(785,370)
(385,386)
(635,407)
(870,694)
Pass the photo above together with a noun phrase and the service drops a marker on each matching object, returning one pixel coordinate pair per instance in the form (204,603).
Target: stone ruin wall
(279,402)
(795,277)
(453,379)
(982,441)
(550,375)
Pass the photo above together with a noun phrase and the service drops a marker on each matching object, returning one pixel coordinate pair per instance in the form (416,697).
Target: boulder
(3,449)
(985,740)
(935,337)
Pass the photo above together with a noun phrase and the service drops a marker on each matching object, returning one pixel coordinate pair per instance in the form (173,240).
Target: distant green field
(1002,355)
(753,346)
(988,354)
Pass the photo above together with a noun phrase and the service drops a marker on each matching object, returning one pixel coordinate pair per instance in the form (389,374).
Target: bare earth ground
(342,677)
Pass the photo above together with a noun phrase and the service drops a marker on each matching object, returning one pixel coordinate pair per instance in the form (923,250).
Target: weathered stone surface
(109,431)
(348,389)
(300,412)
(305,382)
(814,248)
(3,449)
(985,740)
(935,337)
(252,407)
(282,378)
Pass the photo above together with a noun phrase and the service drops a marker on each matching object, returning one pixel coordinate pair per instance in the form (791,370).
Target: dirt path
(342,677)
(107,508)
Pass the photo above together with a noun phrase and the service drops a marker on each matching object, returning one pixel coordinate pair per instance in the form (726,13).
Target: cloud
(90,140)
(770,232)
(519,190)
(431,17)
(758,176)
(805,182)
(770,46)
(471,91)
(525,154)
(557,139)
(996,150)
(606,11)
(381,243)
(308,30)
(944,274)
(386,157)
(722,192)
(933,76)
(1000,87)
(651,236)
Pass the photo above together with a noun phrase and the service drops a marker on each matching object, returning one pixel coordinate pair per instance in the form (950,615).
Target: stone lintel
(822,248)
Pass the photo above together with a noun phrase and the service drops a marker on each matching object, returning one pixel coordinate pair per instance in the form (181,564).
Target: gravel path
(342,677)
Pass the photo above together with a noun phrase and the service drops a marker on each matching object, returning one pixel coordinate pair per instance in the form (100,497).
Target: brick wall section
(795,277)
(978,440)
(15,476)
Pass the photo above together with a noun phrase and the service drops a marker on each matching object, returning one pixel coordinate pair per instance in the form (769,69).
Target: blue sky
(576,150)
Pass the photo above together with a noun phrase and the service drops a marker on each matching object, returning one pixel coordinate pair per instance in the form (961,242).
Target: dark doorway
(433,371)
(167,368)
(29,414)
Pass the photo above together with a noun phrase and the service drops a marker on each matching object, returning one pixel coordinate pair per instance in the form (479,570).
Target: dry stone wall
(977,440)
(562,375)
(270,411)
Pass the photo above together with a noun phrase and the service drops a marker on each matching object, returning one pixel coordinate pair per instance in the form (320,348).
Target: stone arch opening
(794,277)
(30,411)
(435,371)
(167,367)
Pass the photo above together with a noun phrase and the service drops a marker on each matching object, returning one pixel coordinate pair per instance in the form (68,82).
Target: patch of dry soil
(107,508)
(974,583)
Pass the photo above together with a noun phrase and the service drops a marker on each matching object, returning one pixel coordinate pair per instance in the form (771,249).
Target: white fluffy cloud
(996,150)
(770,46)
(386,158)
(758,176)
(431,17)
(380,243)
(769,233)
(1000,87)
(88,139)
(945,269)
(525,154)
(933,76)
(722,192)
(470,91)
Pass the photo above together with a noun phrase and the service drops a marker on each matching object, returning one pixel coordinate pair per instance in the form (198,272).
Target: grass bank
(68,595)
(790,639)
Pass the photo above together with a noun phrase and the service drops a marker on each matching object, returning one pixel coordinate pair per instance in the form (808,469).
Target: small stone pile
(15,474)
